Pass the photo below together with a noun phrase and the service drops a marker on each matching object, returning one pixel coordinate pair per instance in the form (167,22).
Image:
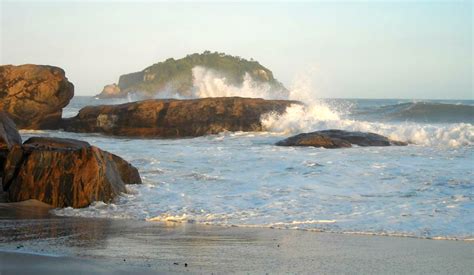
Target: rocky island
(176,75)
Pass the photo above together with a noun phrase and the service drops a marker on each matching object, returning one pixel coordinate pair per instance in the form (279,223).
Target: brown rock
(176,118)
(65,172)
(128,173)
(338,139)
(9,137)
(34,95)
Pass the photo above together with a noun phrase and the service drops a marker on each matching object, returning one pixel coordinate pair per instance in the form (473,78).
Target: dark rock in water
(176,118)
(338,139)
(34,95)
(316,140)
(9,137)
(65,172)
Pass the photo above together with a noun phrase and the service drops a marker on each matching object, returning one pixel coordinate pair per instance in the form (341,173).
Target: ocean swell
(427,112)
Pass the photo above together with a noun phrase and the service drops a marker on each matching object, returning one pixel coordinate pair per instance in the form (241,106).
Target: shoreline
(97,246)
(174,222)
(33,208)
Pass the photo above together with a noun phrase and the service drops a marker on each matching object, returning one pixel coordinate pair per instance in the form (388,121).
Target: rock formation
(176,118)
(111,91)
(34,95)
(9,137)
(65,172)
(175,76)
(338,139)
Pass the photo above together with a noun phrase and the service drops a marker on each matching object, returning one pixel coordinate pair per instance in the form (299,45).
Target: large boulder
(65,172)
(338,139)
(34,95)
(9,137)
(176,118)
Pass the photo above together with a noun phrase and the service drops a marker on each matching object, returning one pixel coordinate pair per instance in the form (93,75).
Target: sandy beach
(34,241)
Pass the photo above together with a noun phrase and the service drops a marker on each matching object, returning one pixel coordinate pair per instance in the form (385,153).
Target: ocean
(425,189)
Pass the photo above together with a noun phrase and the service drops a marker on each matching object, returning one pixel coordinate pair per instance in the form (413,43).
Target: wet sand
(33,241)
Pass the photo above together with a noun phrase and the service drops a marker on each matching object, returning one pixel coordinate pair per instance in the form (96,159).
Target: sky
(351,49)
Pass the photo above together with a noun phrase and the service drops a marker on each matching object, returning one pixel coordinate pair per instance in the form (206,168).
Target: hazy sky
(369,49)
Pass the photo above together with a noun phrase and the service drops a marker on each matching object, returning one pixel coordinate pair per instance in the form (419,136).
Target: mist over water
(209,83)
(243,179)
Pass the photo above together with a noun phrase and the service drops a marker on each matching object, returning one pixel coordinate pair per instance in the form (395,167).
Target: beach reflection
(31,227)
(29,224)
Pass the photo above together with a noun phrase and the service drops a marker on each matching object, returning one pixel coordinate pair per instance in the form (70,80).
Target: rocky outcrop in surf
(338,139)
(171,118)
(34,95)
(65,172)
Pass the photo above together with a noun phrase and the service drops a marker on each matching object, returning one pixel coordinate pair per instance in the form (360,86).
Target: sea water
(242,179)
(425,189)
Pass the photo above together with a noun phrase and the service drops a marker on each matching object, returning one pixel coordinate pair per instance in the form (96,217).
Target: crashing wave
(299,119)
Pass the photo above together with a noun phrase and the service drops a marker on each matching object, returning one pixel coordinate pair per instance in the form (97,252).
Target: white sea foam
(306,222)
(298,119)
(222,219)
(317,114)
(241,179)
(171,218)
(209,83)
